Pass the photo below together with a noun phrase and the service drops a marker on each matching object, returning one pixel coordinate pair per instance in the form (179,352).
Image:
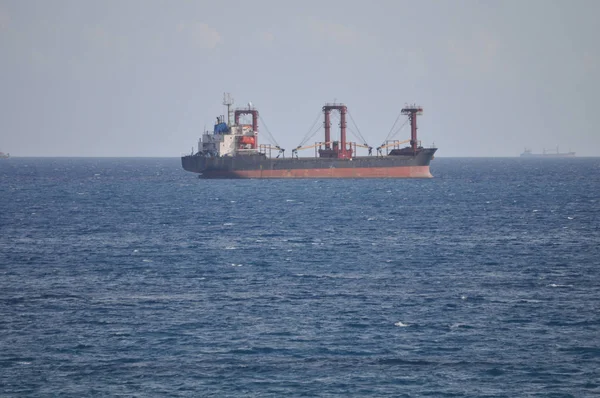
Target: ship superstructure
(232,150)
(230,137)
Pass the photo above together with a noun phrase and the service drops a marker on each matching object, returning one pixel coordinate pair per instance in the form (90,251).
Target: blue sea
(131,277)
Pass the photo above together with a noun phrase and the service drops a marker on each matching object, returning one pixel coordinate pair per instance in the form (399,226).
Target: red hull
(370,172)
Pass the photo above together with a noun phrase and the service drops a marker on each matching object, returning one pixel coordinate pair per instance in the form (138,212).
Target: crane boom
(310,146)
(392,144)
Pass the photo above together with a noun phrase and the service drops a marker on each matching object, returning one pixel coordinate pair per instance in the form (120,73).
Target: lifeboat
(247,140)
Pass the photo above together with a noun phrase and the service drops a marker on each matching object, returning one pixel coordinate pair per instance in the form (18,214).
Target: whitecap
(400,324)
(146,260)
(230,248)
(236,265)
(557,285)
(570,218)
(228,224)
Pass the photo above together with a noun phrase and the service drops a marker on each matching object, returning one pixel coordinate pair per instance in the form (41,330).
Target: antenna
(228,101)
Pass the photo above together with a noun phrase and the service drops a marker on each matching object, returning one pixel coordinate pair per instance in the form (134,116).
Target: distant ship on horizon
(528,154)
(4,155)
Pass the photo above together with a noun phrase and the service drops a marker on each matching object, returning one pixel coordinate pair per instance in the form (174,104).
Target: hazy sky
(143,78)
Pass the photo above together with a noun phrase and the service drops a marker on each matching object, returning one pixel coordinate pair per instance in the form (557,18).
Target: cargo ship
(528,154)
(231,150)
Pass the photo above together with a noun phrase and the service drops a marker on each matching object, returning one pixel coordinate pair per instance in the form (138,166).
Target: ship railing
(252,150)
(267,149)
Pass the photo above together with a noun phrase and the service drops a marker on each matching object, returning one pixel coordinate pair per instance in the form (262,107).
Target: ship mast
(228,101)
(412,111)
(340,152)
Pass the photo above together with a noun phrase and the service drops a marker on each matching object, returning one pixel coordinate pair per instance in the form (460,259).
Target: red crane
(412,111)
